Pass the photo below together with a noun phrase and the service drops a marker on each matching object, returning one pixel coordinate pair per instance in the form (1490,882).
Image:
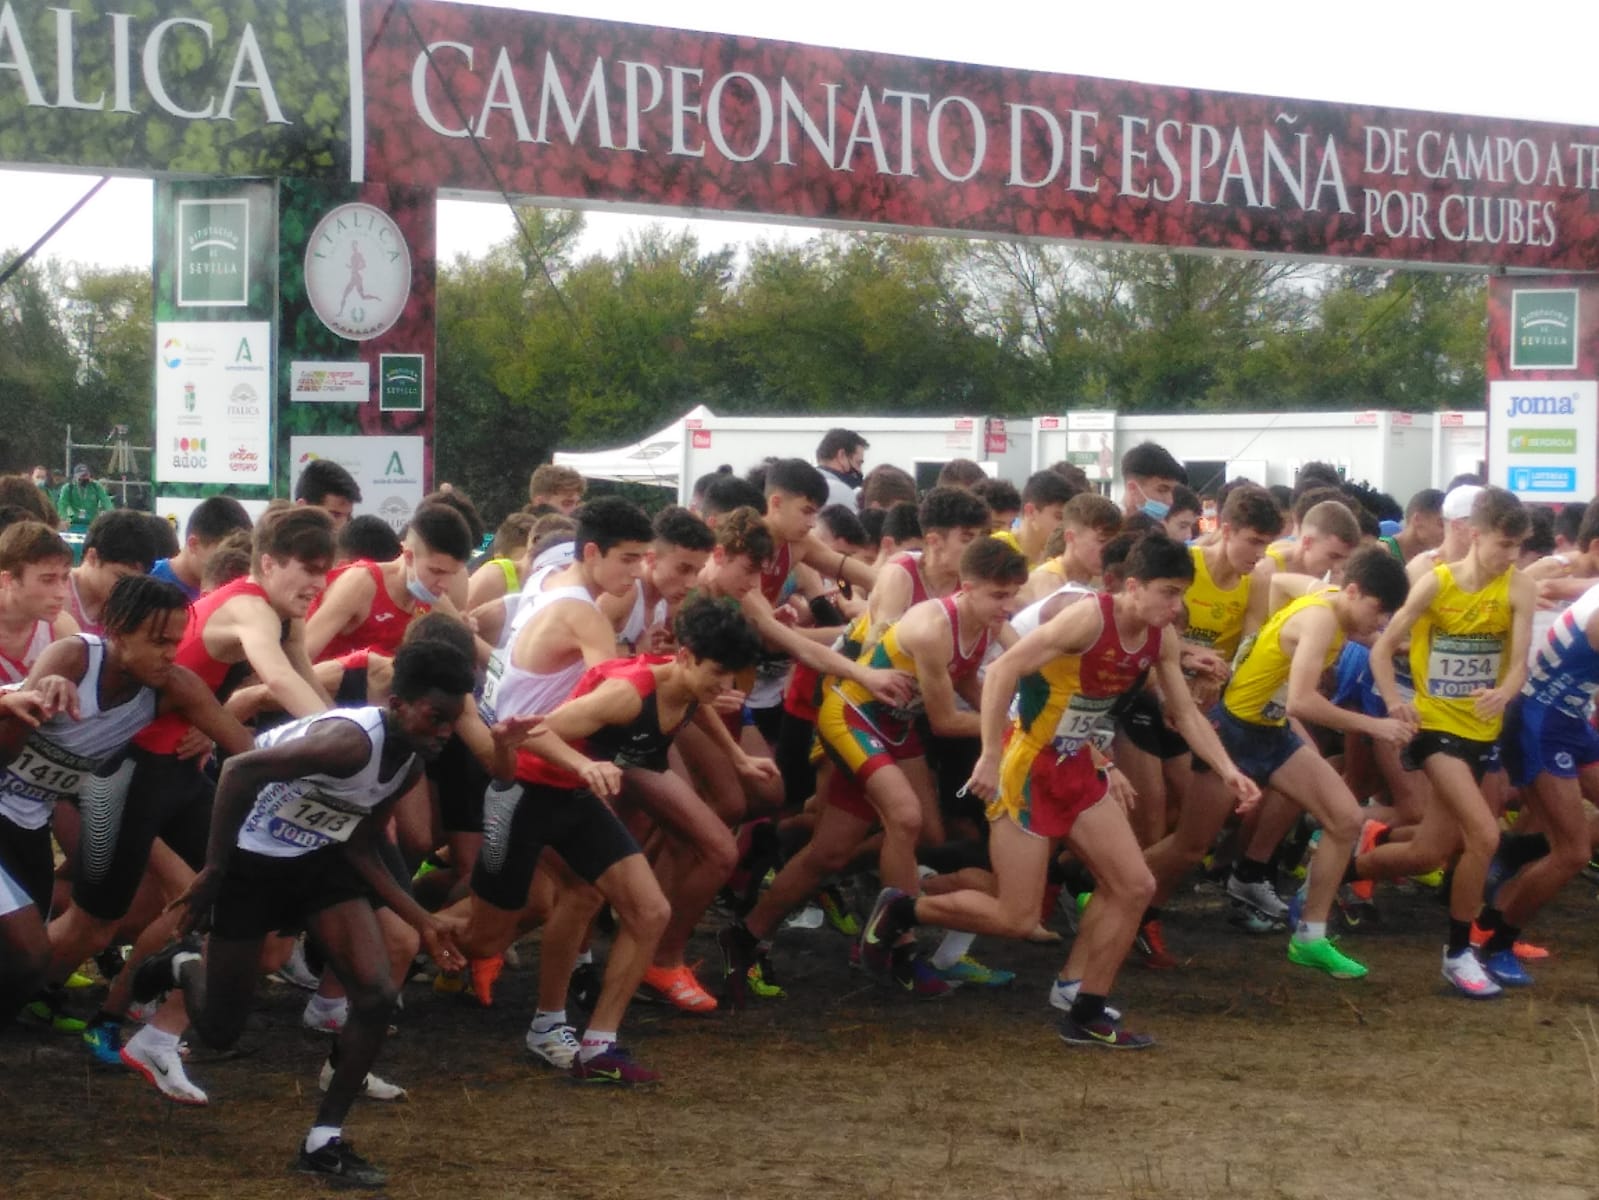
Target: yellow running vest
(1215,617)
(1258,690)
(1457,647)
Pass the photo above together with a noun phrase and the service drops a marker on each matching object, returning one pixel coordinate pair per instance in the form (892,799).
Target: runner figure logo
(358,271)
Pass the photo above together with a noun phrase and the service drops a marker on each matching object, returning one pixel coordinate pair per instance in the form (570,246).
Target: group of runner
(302,745)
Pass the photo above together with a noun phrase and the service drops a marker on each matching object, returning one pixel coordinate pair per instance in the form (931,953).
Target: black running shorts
(27,857)
(460,781)
(1481,757)
(261,894)
(520,821)
(125,805)
(1144,725)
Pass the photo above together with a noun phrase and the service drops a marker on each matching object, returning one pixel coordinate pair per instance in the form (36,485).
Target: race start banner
(485,101)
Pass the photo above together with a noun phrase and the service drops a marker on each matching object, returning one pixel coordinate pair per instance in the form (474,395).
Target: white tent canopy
(657,459)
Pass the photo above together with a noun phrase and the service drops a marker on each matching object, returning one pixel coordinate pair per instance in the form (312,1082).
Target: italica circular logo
(358,271)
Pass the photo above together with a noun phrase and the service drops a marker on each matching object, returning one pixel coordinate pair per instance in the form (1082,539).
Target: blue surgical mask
(1155,508)
(419,592)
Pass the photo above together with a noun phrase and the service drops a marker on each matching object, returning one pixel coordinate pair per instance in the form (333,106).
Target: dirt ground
(1268,1081)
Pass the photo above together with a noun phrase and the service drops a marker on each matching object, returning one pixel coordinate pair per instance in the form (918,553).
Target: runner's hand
(439,941)
(1489,702)
(657,640)
(1395,731)
(193,744)
(1244,788)
(29,707)
(513,730)
(891,687)
(1120,789)
(756,769)
(59,695)
(1406,713)
(729,702)
(603,779)
(984,783)
(197,899)
(1200,661)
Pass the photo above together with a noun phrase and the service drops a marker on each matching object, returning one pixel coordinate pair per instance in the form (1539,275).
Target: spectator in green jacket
(84,498)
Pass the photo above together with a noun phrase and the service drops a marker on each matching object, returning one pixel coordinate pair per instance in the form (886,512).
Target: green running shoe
(1324,956)
(837,912)
(47,1009)
(969,970)
(762,981)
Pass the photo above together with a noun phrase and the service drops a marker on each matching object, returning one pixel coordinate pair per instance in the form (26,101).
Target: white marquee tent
(657,459)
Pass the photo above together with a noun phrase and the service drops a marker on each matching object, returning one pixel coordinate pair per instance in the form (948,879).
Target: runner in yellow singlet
(1087,523)
(1279,678)
(1469,624)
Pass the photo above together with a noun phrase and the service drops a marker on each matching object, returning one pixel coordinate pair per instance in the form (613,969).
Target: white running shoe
(1464,972)
(322,1017)
(372,1087)
(558,1047)
(1063,994)
(164,1068)
(809,917)
(1260,896)
(295,972)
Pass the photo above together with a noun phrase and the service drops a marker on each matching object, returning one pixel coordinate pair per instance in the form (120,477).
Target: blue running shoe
(1296,906)
(1506,969)
(104,1039)
(969,970)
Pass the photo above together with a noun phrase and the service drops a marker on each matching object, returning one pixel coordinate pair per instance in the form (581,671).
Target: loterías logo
(358,271)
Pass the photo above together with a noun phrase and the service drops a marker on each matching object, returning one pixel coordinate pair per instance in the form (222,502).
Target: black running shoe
(339,1164)
(583,993)
(156,976)
(739,951)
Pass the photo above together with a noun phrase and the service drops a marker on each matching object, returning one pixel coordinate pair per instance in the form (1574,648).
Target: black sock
(1490,919)
(1384,837)
(333,1055)
(313,957)
(902,912)
(1516,850)
(1503,938)
(1459,937)
(1087,1007)
(1248,870)
(1349,871)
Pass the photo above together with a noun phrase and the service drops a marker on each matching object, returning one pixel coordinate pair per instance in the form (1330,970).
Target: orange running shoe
(678,987)
(1370,831)
(485,972)
(1525,951)
(1151,944)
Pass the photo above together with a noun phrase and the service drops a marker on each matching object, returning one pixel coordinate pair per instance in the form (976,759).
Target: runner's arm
(1069,631)
(1523,599)
(1311,630)
(835,564)
(1259,595)
(186,694)
(1422,593)
(931,649)
(1188,720)
(344,606)
(486,585)
(255,625)
(796,645)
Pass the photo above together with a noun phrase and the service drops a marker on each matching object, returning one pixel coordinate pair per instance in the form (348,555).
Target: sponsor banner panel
(1542,441)
(321,382)
(388,470)
(214,402)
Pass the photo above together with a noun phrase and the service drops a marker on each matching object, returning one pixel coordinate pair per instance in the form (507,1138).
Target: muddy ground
(1269,1081)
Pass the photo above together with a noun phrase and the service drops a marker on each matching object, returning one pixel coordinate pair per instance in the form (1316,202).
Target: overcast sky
(1495,60)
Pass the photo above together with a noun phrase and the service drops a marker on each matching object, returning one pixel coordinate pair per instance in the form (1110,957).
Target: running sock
(1310,931)
(320,1008)
(548,1021)
(320,1136)
(1247,870)
(1459,937)
(952,949)
(1504,937)
(902,912)
(596,1043)
(1516,850)
(585,958)
(1087,1008)
(333,1056)
(1067,989)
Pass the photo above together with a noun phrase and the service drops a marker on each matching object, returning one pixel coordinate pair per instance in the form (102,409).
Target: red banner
(577,110)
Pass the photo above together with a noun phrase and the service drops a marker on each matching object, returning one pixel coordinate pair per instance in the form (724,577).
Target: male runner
(117,544)
(1088,521)
(1044,496)
(1150,476)
(1040,779)
(1423,528)
(1469,623)
(212,520)
(880,774)
(1280,678)
(367,605)
(606,744)
(678,553)
(35,566)
(557,488)
(294,842)
(1328,535)
(328,486)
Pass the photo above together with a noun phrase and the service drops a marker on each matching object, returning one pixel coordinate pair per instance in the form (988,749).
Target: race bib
(299,820)
(1078,723)
(1457,665)
(43,773)
(1275,710)
(491,688)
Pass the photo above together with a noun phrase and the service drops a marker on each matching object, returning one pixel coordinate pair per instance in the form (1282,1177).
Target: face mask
(419,592)
(1155,508)
(38,482)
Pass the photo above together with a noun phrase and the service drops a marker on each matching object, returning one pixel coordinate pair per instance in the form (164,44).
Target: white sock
(1310,931)
(155,1039)
(178,961)
(596,1043)
(321,1006)
(1068,988)
(320,1136)
(585,958)
(545,1021)
(953,948)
